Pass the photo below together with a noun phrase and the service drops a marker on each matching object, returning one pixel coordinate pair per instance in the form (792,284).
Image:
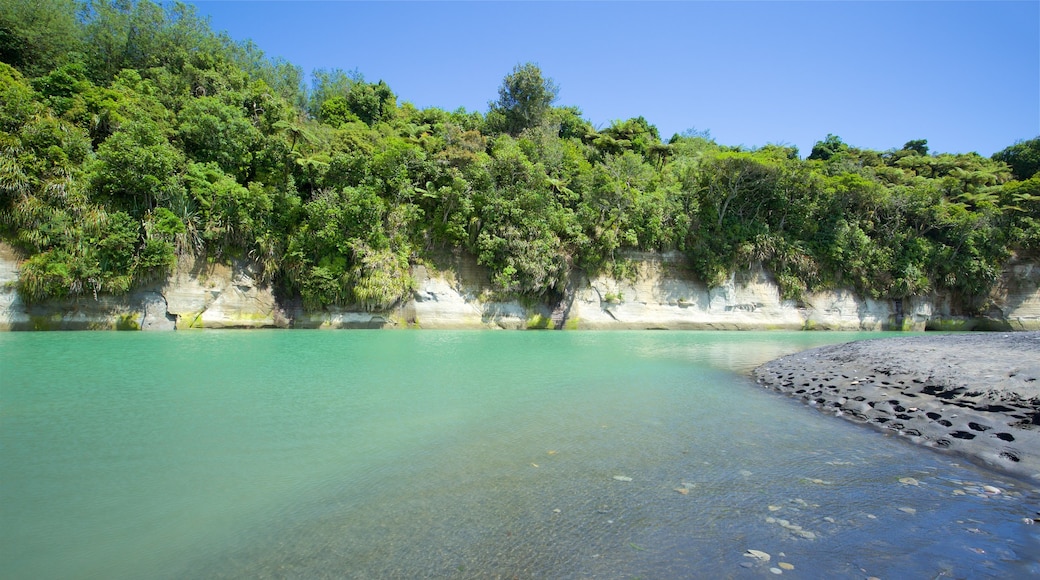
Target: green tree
(372,103)
(919,146)
(1023,157)
(524,100)
(214,131)
(38,35)
(828,148)
(137,167)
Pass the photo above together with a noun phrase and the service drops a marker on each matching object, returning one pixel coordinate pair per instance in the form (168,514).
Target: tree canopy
(524,100)
(132,134)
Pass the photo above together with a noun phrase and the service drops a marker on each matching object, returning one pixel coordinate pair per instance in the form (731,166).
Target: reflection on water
(469,455)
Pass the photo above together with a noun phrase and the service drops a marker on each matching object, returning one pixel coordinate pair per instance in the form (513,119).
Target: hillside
(134,136)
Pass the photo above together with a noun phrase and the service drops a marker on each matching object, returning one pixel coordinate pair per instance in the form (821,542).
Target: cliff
(197,295)
(661,294)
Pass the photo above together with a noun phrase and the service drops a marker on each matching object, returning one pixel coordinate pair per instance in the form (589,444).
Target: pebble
(786,566)
(758,555)
(908,510)
(774,508)
(991,489)
(776,570)
(909,481)
(622,478)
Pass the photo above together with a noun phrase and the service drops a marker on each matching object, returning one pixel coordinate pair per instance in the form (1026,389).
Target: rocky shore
(974,394)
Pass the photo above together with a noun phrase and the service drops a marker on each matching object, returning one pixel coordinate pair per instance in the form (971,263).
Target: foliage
(1023,157)
(36,35)
(524,99)
(132,134)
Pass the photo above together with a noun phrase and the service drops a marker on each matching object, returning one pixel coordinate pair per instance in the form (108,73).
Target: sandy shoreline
(975,394)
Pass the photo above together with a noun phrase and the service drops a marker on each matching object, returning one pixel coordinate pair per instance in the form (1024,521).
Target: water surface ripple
(310,454)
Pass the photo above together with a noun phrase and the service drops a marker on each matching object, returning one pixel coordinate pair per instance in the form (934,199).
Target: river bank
(455,292)
(975,394)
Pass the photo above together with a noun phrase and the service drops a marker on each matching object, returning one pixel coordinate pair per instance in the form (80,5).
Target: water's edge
(976,395)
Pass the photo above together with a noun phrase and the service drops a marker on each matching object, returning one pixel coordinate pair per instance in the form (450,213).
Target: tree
(36,35)
(372,103)
(524,99)
(636,134)
(1023,157)
(919,146)
(136,167)
(214,131)
(829,147)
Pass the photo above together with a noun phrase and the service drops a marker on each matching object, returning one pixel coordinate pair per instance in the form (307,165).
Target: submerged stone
(758,555)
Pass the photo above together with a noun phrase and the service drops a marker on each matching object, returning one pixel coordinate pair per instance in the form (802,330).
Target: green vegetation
(133,134)
(539,322)
(127,322)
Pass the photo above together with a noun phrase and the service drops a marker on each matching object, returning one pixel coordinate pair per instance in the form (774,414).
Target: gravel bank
(974,394)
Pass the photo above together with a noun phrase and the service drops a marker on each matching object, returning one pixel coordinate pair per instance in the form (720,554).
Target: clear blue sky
(964,75)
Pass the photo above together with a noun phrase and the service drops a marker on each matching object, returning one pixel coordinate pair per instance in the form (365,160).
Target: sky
(963,75)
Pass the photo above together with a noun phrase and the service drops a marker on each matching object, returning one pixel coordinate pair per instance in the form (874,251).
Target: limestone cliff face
(1016,297)
(662,294)
(460,296)
(665,294)
(213,295)
(197,295)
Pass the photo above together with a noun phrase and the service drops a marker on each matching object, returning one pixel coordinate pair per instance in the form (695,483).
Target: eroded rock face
(156,315)
(205,295)
(12,310)
(1016,297)
(460,297)
(197,295)
(663,293)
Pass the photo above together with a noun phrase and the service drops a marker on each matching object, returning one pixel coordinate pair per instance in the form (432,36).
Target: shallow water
(309,454)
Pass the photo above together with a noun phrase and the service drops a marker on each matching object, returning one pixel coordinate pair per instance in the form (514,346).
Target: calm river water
(343,454)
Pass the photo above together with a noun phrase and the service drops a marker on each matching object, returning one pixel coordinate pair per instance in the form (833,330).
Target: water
(341,454)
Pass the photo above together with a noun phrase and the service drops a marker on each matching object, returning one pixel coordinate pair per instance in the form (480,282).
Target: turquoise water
(343,454)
